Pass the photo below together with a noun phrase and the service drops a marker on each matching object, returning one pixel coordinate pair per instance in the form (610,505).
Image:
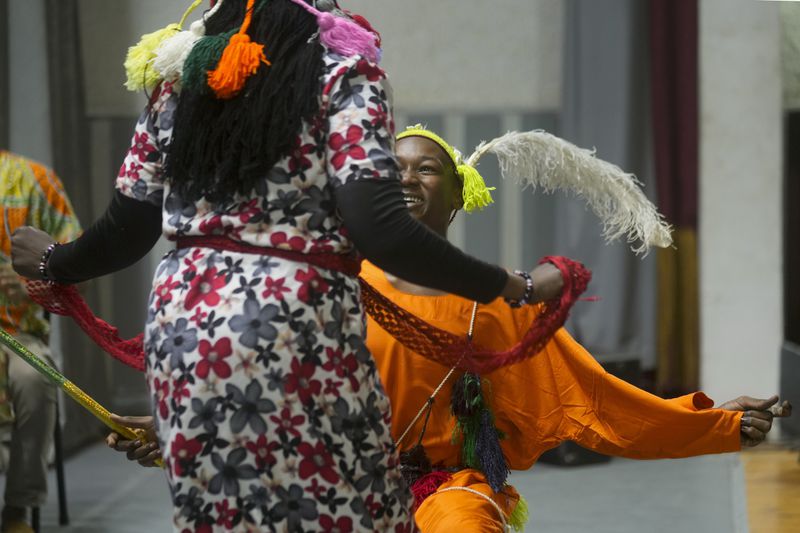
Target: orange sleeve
(697,401)
(606,414)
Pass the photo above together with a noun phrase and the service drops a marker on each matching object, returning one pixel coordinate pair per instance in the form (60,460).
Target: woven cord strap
(65,300)
(414,333)
(451,350)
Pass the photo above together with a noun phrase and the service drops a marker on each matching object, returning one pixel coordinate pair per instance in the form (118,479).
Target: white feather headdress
(539,159)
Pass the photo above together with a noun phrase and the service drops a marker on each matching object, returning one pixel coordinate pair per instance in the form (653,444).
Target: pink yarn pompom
(344,36)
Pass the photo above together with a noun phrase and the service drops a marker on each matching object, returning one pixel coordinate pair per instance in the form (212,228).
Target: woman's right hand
(144,451)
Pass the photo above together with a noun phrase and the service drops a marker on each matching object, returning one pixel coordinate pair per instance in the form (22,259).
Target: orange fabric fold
(560,394)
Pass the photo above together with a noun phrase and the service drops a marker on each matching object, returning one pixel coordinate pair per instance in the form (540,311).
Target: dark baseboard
(790,385)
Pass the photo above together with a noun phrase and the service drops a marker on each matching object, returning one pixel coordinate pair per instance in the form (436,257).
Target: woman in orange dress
(560,394)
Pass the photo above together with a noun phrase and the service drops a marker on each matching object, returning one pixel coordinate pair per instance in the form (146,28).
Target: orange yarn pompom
(239,61)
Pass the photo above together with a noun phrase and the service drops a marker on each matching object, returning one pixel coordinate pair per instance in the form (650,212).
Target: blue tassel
(490,454)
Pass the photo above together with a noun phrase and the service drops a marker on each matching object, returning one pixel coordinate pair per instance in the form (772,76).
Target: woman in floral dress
(268,407)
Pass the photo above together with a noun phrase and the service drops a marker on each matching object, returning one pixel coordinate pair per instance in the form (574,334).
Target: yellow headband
(474,190)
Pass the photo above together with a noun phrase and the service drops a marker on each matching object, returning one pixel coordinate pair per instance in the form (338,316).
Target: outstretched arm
(611,416)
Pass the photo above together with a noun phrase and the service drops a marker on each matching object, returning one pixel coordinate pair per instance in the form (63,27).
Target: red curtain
(674,86)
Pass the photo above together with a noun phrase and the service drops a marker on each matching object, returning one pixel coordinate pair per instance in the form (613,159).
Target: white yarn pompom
(172,53)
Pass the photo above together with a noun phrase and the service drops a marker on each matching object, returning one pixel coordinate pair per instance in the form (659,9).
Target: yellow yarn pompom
(139,62)
(475,192)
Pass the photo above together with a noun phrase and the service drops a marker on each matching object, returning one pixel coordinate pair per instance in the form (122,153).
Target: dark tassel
(480,439)
(414,464)
(466,398)
(490,454)
(204,57)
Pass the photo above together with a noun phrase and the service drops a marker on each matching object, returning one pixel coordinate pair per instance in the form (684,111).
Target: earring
(452,217)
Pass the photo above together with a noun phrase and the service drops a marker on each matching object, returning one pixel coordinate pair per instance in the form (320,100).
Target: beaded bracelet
(44,260)
(527,296)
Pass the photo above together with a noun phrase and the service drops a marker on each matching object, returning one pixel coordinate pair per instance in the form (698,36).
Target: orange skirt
(478,509)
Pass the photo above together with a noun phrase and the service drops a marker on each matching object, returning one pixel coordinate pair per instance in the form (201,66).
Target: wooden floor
(772,477)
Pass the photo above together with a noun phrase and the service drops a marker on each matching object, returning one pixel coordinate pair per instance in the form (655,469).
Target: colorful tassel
(203,57)
(171,55)
(239,61)
(475,192)
(480,439)
(138,63)
(519,516)
(487,448)
(342,35)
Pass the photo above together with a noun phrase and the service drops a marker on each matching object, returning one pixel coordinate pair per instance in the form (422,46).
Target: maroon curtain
(674,85)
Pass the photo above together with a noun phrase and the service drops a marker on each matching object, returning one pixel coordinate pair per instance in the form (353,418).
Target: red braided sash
(448,349)
(413,332)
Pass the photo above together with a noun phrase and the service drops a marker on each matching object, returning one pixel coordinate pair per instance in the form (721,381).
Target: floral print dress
(268,406)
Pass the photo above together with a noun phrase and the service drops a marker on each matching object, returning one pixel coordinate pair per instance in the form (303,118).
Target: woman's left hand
(27,246)
(758,416)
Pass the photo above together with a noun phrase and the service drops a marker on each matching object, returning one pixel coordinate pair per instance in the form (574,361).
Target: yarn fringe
(519,516)
(138,64)
(480,438)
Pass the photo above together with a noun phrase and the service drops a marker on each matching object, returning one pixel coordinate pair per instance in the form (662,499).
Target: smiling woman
(430,182)
(481,426)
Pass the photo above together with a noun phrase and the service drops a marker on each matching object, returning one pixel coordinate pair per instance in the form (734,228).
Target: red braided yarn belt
(414,333)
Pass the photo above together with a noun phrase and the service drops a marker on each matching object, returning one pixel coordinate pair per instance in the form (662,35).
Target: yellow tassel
(519,516)
(475,192)
(139,61)
(239,61)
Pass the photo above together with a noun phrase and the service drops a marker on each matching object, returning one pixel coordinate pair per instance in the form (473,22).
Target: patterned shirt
(293,206)
(30,195)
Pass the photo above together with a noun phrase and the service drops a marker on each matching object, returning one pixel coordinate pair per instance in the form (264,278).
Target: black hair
(222,147)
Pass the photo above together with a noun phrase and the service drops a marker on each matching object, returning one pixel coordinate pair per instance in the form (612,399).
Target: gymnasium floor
(699,495)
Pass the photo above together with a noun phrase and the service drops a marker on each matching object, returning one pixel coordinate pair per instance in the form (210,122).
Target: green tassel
(204,57)
(519,516)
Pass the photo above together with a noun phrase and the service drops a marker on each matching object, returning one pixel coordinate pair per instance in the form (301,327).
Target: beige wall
(508,50)
(109,28)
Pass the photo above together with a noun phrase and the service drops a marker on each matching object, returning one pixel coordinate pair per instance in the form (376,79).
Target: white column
(741,171)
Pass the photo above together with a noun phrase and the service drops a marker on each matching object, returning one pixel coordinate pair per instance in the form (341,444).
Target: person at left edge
(30,195)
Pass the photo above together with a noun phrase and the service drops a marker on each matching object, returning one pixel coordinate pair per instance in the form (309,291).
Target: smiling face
(431,188)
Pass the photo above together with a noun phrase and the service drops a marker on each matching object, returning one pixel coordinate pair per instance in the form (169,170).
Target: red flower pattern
(317,461)
(263,449)
(299,381)
(203,288)
(213,358)
(183,452)
(347,146)
(275,288)
(312,284)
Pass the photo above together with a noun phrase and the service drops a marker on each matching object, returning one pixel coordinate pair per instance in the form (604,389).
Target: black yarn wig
(222,147)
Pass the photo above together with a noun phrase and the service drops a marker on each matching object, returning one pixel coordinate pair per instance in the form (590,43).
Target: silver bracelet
(45,259)
(527,296)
